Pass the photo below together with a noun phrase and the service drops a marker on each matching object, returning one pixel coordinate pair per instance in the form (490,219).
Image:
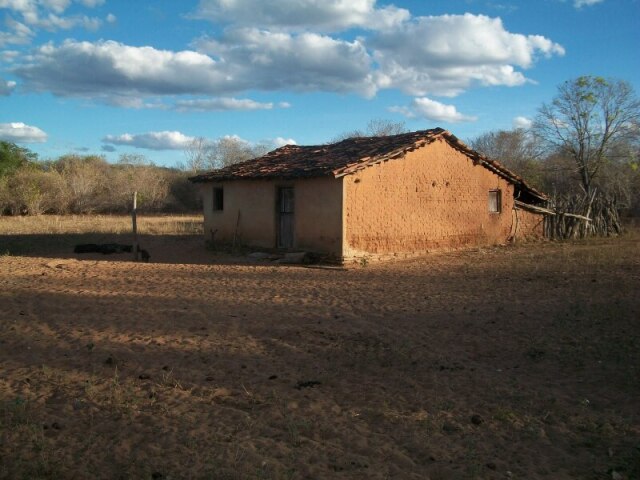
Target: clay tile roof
(348,156)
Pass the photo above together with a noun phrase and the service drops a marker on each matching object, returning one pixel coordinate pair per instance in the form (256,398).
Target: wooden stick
(534,208)
(573,215)
(135,226)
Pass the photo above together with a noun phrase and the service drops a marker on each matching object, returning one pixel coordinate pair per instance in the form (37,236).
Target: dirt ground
(515,362)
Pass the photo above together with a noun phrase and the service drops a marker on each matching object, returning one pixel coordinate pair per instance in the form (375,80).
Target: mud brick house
(374,197)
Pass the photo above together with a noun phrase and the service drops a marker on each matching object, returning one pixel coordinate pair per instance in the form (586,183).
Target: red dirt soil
(512,362)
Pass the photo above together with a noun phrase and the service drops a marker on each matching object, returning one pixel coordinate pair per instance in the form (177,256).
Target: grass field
(515,362)
(56,235)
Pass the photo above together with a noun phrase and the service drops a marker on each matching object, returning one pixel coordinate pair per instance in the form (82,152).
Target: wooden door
(285,217)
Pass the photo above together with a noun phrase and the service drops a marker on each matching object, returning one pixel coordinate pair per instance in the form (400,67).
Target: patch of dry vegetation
(55,235)
(86,224)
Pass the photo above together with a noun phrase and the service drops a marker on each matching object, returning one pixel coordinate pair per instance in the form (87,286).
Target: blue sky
(118,76)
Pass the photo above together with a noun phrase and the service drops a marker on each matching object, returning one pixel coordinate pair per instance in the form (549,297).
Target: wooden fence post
(135,226)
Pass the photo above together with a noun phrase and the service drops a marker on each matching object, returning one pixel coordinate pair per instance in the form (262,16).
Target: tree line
(84,184)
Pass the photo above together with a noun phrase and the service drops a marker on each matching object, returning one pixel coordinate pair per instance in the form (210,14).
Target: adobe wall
(433,198)
(528,225)
(317,215)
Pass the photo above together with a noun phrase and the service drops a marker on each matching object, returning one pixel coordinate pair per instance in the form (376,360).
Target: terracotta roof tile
(349,156)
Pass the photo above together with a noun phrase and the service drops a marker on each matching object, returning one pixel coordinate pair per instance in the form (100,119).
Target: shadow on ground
(174,249)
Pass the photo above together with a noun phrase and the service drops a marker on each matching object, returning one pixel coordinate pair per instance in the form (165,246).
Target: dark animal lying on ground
(104,248)
(144,254)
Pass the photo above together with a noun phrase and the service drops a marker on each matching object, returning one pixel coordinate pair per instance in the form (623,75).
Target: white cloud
(46,14)
(8,55)
(53,22)
(111,18)
(432,110)
(107,69)
(585,3)
(166,140)
(259,59)
(281,142)
(302,15)
(57,6)
(16,33)
(220,104)
(247,59)
(6,87)
(443,55)
(448,54)
(18,132)
(522,122)
(92,3)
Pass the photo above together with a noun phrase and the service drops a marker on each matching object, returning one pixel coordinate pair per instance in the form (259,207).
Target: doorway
(285,208)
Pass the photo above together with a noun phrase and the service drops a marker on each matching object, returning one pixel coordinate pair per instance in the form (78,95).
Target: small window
(495,201)
(218,199)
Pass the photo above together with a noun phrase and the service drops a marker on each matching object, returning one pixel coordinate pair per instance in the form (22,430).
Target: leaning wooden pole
(135,226)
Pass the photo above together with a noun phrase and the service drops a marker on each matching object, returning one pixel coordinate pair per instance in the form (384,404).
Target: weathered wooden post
(135,226)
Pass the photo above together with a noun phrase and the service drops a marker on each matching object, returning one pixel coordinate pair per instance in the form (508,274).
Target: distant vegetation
(585,143)
(89,184)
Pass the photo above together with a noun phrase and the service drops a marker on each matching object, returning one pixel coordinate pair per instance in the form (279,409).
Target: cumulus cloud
(6,87)
(585,3)
(18,132)
(166,140)
(220,104)
(110,68)
(260,59)
(432,110)
(299,15)
(522,122)
(447,54)
(247,59)
(443,55)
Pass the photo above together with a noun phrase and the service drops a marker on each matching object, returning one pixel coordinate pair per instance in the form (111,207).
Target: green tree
(13,157)
(588,120)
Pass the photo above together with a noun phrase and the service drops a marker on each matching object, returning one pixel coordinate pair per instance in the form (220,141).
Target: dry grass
(114,224)
(54,235)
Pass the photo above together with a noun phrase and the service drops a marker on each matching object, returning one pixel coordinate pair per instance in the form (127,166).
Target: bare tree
(516,149)
(586,120)
(198,154)
(228,151)
(86,180)
(378,127)
(203,154)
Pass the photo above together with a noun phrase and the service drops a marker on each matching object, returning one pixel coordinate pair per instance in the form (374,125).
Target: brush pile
(582,216)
